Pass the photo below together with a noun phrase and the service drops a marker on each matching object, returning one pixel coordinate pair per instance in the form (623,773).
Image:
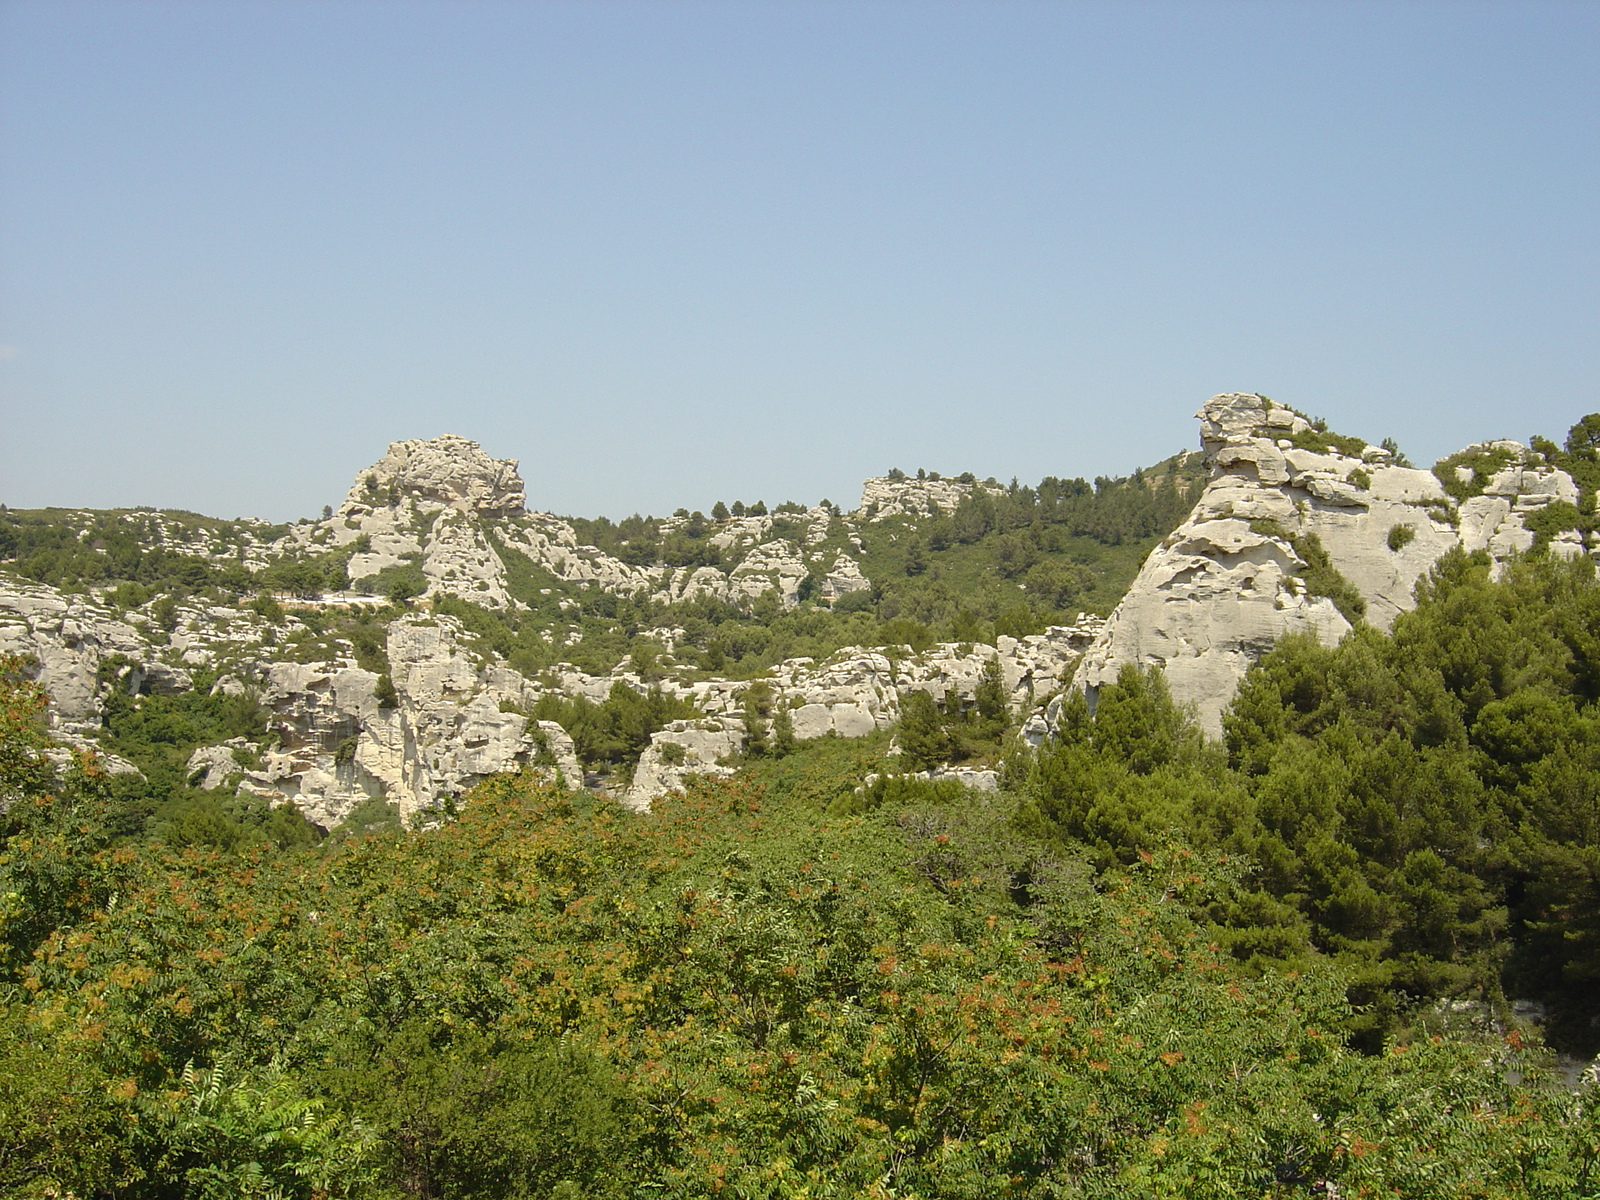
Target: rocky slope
(431,711)
(365,697)
(1230,581)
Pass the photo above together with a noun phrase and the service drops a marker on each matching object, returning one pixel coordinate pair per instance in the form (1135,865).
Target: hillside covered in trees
(1150,965)
(1006,936)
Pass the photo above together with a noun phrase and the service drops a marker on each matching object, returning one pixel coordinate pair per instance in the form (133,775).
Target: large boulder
(682,749)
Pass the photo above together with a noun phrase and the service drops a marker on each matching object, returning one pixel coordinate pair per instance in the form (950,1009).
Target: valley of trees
(1283,965)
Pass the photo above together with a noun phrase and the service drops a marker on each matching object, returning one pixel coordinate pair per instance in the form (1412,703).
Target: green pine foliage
(1420,807)
(73,549)
(733,994)
(615,732)
(1322,578)
(1482,465)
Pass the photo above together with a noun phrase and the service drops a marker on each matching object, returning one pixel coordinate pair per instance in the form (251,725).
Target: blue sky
(667,253)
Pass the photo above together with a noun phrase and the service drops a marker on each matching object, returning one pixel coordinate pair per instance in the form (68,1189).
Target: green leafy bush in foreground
(1163,967)
(728,996)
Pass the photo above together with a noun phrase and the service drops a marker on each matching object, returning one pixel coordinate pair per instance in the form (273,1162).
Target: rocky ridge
(1224,586)
(454,512)
(902,495)
(454,714)
(428,710)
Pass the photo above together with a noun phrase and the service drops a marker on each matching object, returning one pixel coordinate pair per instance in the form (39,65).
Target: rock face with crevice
(1228,583)
(453,721)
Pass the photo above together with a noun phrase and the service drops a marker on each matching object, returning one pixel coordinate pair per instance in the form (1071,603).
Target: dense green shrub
(1322,578)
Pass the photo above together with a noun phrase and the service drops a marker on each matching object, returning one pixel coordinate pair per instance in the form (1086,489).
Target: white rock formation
(445,472)
(843,578)
(1223,587)
(885,497)
(771,566)
(70,636)
(741,531)
(852,693)
(453,510)
(682,749)
(456,721)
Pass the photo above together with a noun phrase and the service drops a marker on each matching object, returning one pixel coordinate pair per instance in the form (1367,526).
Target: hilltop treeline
(1112,511)
(65,549)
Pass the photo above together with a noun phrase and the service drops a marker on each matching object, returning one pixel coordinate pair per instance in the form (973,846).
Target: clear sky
(666,253)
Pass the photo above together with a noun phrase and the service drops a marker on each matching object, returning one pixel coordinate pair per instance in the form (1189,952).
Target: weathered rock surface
(843,578)
(889,497)
(447,471)
(456,721)
(454,518)
(1223,587)
(70,636)
(682,749)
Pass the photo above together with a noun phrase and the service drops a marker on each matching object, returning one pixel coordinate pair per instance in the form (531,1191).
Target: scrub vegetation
(1278,966)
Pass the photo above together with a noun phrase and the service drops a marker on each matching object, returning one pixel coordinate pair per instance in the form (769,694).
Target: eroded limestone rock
(886,497)
(449,471)
(1228,583)
(69,637)
(682,749)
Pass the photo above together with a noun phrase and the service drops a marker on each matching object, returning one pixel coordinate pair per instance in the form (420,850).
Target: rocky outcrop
(449,510)
(443,472)
(1495,519)
(1223,587)
(843,578)
(450,519)
(858,690)
(452,512)
(69,637)
(334,743)
(682,749)
(892,496)
(852,693)
(771,566)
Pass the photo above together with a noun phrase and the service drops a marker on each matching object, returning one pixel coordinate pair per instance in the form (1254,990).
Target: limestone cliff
(445,508)
(1223,587)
